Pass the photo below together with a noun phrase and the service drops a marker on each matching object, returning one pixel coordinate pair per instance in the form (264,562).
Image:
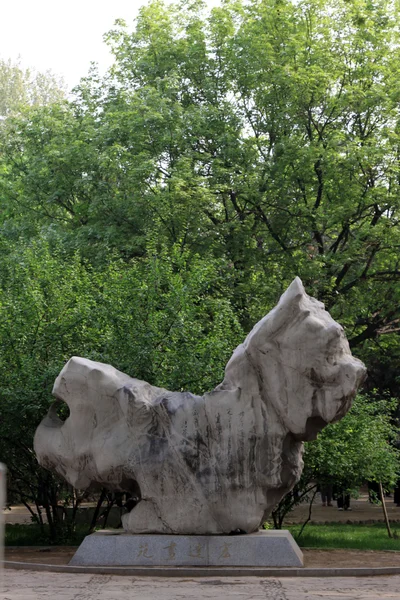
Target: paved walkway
(25,585)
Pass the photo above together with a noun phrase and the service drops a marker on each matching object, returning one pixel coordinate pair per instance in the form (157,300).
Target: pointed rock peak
(297,286)
(294,290)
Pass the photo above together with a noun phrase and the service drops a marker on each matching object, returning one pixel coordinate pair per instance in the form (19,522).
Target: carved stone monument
(212,464)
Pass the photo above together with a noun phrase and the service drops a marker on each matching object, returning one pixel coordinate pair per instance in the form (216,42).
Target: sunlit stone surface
(208,464)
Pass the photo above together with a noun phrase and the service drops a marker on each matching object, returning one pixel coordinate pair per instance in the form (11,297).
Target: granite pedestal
(260,549)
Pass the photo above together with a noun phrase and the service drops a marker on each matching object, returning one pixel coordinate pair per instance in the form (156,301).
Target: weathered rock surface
(214,463)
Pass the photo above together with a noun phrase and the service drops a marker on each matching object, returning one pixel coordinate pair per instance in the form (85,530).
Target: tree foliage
(361,447)
(156,320)
(20,87)
(358,448)
(265,132)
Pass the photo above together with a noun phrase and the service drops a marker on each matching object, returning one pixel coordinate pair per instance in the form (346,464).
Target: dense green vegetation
(153,218)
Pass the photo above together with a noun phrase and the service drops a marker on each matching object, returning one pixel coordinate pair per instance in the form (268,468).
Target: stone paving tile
(27,585)
(342,588)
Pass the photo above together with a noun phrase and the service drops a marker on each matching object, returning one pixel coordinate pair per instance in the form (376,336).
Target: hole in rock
(58,413)
(62,410)
(131,493)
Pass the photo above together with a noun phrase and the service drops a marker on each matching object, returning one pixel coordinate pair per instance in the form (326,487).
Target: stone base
(260,549)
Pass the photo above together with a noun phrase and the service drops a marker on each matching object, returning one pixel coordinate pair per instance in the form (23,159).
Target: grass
(344,535)
(31,535)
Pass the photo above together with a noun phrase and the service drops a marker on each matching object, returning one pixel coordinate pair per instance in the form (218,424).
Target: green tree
(359,448)
(289,118)
(153,319)
(46,314)
(20,87)
(265,132)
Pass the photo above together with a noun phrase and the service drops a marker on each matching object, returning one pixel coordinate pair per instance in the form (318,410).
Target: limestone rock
(208,464)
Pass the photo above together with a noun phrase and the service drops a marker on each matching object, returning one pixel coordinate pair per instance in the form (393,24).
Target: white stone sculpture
(208,464)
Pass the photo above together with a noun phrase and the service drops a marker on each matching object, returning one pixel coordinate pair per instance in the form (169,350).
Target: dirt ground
(312,558)
(361,511)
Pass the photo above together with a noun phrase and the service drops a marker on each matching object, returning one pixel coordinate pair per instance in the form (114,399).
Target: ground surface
(26,585)
(362,510)
(31,585)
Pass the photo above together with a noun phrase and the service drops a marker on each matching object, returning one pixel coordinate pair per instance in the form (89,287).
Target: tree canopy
(265,132)
(20,87)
